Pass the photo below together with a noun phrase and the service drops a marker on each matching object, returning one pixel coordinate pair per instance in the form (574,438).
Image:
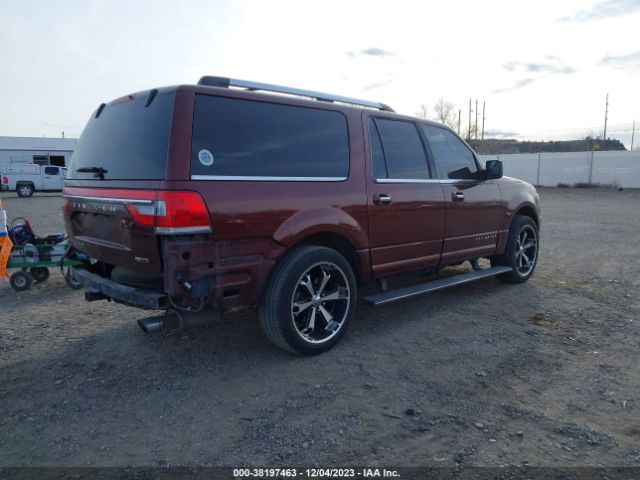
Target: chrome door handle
(457,196)
(382,199)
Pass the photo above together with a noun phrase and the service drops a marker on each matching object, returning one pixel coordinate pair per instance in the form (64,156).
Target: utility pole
(633,133)
(476,129)
(483,117)
(469,133)
(459,114)
(606,114)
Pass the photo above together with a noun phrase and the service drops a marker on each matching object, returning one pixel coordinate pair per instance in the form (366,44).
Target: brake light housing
(168,212)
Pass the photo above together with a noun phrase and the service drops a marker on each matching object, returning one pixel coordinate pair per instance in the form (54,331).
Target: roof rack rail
(224,82)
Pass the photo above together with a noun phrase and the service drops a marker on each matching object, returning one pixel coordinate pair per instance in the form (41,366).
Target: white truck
(27,178)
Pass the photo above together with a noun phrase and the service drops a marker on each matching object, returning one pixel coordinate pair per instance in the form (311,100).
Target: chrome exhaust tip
(173,319)
(151,324)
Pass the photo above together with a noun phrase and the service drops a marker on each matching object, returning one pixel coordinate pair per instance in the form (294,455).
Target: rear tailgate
(125,140)
(100,223)
(122,226)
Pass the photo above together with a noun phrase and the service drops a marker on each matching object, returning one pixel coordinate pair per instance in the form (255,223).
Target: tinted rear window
(127,139)
(242,138)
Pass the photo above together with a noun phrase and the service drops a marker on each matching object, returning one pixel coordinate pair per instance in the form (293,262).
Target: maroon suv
(208,197)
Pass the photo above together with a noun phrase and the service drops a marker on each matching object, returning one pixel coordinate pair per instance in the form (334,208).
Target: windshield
(127,141)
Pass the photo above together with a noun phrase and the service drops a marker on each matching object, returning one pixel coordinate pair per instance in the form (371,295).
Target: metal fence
(616,168)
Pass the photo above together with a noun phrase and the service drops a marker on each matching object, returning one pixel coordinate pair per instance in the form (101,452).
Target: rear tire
(25,190)
(521,252)
(310,300)
(21,281)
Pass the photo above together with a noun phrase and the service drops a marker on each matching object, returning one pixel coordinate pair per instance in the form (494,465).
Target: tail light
(173,213)
(5,180)
(168,212)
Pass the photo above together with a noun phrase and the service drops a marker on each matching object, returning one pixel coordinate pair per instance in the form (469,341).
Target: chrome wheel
(25,191)
(320,302)
(526,250)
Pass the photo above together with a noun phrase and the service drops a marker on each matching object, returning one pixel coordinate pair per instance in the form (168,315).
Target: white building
(43,151)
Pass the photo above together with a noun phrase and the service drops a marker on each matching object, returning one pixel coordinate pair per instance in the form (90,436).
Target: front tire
(521,253)
(310,300)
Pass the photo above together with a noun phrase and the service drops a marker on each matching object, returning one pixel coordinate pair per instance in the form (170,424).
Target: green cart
(33,256)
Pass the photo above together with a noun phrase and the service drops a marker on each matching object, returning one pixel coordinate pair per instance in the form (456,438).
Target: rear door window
(400,154)
(128,139)
(243,139)
(454,160)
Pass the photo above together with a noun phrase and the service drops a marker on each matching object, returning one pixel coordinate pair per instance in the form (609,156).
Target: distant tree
(423,112)
(470,132)
(495,146)
(445,113)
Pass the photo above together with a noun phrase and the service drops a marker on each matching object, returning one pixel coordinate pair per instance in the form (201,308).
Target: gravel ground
(485,374)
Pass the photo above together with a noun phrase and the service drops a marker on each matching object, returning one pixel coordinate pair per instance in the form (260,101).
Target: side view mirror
(493,169)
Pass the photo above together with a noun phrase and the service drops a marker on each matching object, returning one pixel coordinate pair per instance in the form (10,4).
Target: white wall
(619,168)
(523,166)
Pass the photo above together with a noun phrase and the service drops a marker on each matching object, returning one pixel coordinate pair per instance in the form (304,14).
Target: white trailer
(29,178)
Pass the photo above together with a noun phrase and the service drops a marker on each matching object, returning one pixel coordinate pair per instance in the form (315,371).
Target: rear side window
(403,151)
(453,159)
(243,138)
(128,139)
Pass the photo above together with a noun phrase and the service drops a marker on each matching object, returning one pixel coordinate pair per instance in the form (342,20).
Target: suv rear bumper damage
(100,288)
(197,272)
(231,273)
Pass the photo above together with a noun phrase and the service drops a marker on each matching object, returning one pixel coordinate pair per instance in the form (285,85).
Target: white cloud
(604,10)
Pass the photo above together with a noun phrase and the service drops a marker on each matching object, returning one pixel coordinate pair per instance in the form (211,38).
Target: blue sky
(542,67)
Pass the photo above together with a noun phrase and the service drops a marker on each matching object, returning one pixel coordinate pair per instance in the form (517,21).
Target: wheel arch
(25,183)
(329,227)
(526,208)
(529,211)
(339,243)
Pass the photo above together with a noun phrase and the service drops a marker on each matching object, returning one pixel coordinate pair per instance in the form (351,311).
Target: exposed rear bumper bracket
(97,286)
